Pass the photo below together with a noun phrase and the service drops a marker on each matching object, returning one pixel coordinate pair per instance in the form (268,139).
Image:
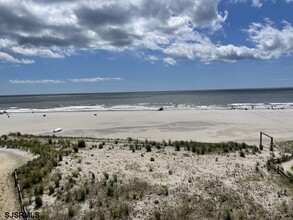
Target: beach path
(9,160)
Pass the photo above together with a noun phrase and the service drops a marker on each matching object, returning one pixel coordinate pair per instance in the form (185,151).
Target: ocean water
(149,101)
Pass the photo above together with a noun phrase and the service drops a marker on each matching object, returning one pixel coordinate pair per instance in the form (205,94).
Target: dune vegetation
(89,178)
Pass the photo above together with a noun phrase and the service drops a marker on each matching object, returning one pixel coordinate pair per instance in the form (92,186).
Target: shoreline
(197,125)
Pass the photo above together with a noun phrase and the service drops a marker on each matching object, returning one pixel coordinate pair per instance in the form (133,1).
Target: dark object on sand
(95,114)
(44,115)
(161,109)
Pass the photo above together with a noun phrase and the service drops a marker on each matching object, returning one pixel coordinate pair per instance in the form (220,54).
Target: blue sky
(76,46)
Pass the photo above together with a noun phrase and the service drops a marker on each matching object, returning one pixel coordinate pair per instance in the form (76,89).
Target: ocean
(149,101)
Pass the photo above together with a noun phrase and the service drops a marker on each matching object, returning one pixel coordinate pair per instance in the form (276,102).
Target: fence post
(20,199)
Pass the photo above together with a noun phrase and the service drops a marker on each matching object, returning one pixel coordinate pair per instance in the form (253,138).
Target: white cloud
(37,52)
(91,80)
(6,58)
(269,43)
(43,81)
(151,58)
(257,3)
(37,28)
(170,61)
(57,29)
(272,42)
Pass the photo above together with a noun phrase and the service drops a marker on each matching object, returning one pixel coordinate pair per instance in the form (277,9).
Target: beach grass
(170,181)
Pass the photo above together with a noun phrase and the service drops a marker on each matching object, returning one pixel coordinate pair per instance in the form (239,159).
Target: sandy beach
(199,125)
(9,160)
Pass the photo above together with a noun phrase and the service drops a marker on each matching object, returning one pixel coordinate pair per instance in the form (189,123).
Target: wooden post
(272,144)
(260,140)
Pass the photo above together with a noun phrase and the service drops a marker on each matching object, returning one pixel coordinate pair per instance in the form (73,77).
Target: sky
(85,46)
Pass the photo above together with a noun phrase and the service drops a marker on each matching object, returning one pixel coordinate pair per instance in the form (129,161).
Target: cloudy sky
(64,46)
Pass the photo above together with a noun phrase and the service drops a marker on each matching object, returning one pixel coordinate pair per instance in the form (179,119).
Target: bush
(67,197)
(110,191)
(157,215)
(148,148)
(51,190)
(71,211)
(164,191)
(41,189)
(75,148)
(57,183)
(177,146)
(152,159)
(227,215)
(101,146)
(81,144)
(80,194)
(38,201)
(242,154)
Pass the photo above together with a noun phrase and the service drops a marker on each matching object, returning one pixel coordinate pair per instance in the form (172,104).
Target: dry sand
(287,166)
(9,160)
(199,125)
(207,177)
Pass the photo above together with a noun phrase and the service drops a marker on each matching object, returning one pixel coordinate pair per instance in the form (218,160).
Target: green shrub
(157,215)
(38,201)
(110,191)
(68,197)
(75,148)
(177,146)
(57,183)
(81,144)
(80,194)
(164,191)
(148,148)
(51,190)
(71,211)
(227,215)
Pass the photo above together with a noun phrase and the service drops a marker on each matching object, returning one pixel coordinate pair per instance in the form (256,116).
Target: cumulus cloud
(43,81)
(270,41)
(92,80)
(56,29)
(48,28)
